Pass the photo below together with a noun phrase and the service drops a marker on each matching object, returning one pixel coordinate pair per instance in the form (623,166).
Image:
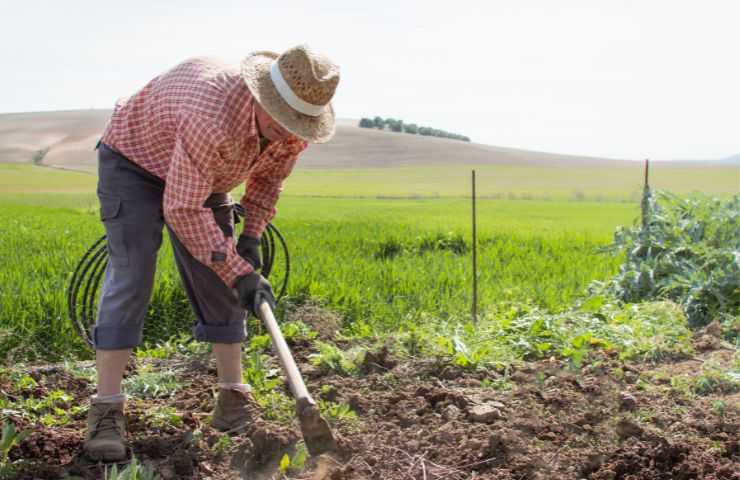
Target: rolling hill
(372,163)
(71,135)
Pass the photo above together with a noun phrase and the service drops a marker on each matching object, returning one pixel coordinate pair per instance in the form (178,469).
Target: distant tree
(38,155)
(397,125)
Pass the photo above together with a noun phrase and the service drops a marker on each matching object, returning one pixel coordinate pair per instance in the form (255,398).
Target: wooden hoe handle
(295,380)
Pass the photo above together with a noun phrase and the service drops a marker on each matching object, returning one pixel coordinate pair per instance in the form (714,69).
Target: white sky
(615,78)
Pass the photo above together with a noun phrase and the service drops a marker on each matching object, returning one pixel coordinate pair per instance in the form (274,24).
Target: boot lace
(107,422)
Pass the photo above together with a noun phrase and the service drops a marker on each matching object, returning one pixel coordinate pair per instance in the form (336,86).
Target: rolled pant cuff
(116,338)
(233,333)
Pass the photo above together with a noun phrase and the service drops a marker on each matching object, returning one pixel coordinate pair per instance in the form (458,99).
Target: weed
(337,412)
(10,438)
(150,384)
(163,416)
(331,358)
(178,344)
(222,445)
(81,372)
(719,407)
(715,380)
(295,463)
(55,409)
(134,471)
(265,385)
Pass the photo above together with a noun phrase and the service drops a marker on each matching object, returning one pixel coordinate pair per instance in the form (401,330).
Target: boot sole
(105,457)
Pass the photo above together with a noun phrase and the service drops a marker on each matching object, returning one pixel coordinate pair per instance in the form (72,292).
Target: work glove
(252,289)
(249,249)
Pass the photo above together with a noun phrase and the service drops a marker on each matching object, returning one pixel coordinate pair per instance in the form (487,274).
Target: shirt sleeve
(189,183)
(265,184)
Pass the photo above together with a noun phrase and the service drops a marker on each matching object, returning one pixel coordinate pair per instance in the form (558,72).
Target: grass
(384,265)
(528,255)
(513,182)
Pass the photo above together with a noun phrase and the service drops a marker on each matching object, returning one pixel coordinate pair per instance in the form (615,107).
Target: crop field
(544,253)
(592,356)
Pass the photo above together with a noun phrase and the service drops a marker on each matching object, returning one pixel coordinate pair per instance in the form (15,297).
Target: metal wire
(83,286)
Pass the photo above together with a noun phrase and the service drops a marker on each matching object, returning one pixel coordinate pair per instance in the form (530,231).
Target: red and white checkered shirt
(194,127)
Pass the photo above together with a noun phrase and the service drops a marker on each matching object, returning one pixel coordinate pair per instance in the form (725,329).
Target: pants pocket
(110,212)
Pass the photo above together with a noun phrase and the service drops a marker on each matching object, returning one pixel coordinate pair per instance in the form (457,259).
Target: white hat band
(290,97)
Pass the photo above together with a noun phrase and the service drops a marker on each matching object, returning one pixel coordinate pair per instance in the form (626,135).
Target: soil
(609,420)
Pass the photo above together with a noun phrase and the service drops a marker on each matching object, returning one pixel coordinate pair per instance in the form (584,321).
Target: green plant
(714,379)
(134,471)
(332,358)
(685,250)
(337,412)
(719,407)
(150,384)
(222,445)
(265,385)
(180,343)
(163,416)
(296,462)
(54,409)
(10,438)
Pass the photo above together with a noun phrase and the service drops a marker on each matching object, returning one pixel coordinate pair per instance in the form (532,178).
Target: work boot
(105,429)
(235,410)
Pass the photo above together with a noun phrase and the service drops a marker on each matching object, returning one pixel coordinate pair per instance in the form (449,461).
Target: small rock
(627,402)
(413,445)
(551,381)
(445,437)
(451,412)
(485,413)
(714,329)
(627,428)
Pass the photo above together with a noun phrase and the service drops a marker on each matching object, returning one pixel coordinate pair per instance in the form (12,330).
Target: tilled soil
(421,420)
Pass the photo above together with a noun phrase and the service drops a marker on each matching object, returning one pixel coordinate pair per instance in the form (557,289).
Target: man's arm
(189,183)
(265,184)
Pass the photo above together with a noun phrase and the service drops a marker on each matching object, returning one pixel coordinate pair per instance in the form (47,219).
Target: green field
(513,182)
(538,252)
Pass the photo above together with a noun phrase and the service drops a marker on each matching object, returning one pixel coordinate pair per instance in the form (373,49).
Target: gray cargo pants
(131,211)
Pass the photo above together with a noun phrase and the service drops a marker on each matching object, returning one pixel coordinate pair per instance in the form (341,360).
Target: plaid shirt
(194,126)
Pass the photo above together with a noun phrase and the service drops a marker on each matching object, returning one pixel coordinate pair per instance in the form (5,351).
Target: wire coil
(82,290)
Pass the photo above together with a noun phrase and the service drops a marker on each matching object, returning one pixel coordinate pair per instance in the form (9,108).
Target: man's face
(268,127)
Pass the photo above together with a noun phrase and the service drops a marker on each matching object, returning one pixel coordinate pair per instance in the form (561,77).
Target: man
(168,157)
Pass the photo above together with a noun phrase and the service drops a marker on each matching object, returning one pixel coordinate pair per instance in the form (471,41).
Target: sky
(610,78)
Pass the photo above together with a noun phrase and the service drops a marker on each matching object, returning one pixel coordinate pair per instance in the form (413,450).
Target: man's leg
(130,208)
(110,365)
(228,362)
(221,321)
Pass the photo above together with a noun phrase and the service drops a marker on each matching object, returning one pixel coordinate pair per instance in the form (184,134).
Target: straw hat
(295,89)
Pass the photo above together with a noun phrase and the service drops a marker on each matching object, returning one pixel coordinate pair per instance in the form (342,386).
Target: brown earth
(421,420)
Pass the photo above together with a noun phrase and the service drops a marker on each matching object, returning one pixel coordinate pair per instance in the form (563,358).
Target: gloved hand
(249,249)
(252,289)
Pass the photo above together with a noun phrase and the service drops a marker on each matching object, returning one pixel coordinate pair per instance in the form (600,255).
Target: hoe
(316,432)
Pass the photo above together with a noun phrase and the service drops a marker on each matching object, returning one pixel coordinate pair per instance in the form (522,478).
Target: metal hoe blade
(316,432)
